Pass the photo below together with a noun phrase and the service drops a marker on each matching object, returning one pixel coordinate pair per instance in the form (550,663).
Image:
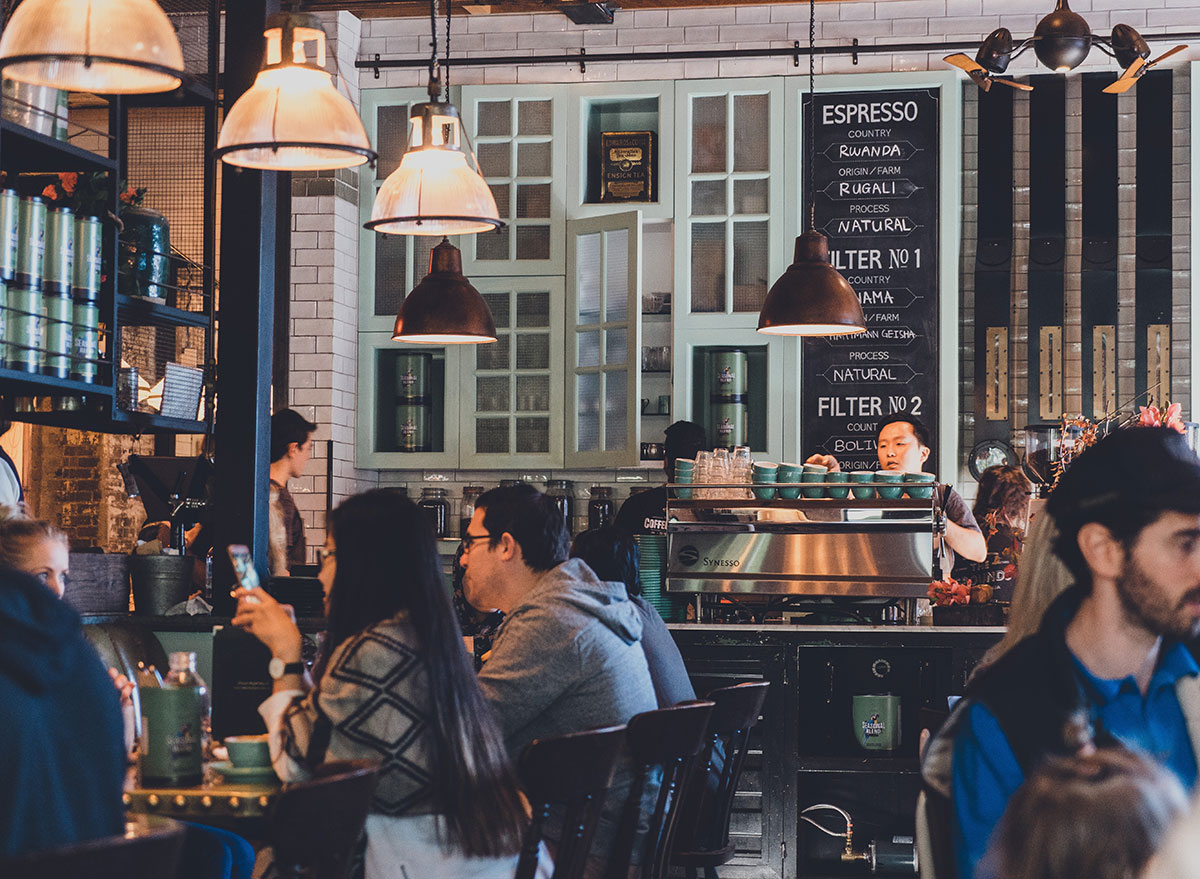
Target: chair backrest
(149,849)
(663,744)
(570,772)
(703,823)
(315,826)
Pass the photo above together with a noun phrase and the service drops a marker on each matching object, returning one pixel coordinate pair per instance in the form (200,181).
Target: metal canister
(127,388)
(10,235)
(85,340)
(89,240)
(31,241)
(58,270)
(412,376)
(729,424)
(729,374)
(24,338)
(412,428)
(58,309)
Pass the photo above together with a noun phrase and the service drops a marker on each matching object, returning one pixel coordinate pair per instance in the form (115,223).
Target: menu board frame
(939,359)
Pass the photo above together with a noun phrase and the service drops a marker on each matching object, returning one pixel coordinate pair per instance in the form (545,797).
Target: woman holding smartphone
(393,684)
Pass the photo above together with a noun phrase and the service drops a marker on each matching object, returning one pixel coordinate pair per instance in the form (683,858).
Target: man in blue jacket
(1110,664)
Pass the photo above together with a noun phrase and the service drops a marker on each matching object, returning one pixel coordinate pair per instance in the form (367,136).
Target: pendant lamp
(437,189)
(811,298)
(124,47)
(293,118)
(444,308)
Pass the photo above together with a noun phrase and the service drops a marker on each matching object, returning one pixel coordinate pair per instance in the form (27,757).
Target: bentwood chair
(664,745)
(702,832)
(148,849)
(315,826)
(568,774)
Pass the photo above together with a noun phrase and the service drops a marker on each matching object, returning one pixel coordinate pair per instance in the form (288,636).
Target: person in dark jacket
(613,556)
(646,511)
(62,749)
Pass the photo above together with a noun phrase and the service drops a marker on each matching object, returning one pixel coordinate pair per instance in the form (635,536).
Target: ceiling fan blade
(1012,83)
(963,62)
(1167,54)
(1127,78)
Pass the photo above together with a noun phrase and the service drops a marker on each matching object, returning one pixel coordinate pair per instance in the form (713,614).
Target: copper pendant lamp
(444,308)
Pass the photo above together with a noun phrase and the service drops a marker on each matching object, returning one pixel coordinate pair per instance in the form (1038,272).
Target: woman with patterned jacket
(394,685)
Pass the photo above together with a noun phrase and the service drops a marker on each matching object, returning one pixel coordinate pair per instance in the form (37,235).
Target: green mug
(876,722)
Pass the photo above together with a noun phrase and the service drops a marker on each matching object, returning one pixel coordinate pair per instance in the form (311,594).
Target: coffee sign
(876,186)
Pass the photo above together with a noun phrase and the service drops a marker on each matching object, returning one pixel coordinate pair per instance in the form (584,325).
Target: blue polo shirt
(986,772)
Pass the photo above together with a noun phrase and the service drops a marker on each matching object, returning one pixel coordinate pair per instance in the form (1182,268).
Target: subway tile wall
(324,257)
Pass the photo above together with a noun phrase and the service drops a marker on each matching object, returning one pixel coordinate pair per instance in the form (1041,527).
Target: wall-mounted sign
(627,166)
(877,200)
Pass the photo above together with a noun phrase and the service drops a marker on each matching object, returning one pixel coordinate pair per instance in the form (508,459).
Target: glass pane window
(615,418)
(589,348)
(533,351)
(616,288)
(533,309)
(492,245)
(533,435)
(750,280)
(709,132)
(494,118)
(751,122)
(391,273)
(501,307)
(587,277)
(494,355)
(587,425)
(708,198)
(391,137)
(495,159)
(533,393)
(533,201)
(533,159)
(491,435)
(491,393)
(535,118)
(533,242)
(708,267)
(616,347)
(750,196)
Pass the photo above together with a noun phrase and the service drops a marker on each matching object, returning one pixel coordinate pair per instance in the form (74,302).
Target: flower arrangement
(87,193)
(950,592)
(1151,416)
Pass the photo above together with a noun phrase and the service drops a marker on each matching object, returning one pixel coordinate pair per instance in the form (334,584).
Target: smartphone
(243,567)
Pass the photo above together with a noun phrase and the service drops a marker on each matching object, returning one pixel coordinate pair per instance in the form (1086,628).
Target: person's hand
(124,687)
(827,461)
(269,621)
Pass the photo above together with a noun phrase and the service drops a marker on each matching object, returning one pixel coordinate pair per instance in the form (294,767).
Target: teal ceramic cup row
(918,485)
(683,473)
(813,491)
(890,492)
(841,490)
(862,492)
(789,473)
(763,475)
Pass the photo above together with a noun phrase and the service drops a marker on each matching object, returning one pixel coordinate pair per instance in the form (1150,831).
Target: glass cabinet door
(603,341)
(511,411)
(519,135)
(730,195)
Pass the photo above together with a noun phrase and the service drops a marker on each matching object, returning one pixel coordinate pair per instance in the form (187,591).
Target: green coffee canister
(89,239)
(59,312)
(31,241)
(729,374)
(59,264)
(85,340)
(10,208)
(412,376)
(24,331)
(728,425)
(145,253)
(171,732)
(412,427)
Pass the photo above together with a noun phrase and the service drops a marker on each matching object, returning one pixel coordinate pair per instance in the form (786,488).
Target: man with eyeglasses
(568,656)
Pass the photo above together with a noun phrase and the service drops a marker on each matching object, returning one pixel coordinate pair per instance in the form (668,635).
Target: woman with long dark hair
(395,685)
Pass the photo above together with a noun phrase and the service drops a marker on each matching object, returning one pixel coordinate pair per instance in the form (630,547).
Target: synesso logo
(689,555)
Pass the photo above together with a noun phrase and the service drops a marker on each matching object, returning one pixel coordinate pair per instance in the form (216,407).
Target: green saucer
(249,774)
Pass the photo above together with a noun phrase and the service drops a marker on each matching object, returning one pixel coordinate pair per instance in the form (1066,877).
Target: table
(238,806)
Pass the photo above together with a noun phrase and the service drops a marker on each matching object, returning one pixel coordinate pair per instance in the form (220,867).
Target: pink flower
(1150,417)
(69,180)
(1172,418)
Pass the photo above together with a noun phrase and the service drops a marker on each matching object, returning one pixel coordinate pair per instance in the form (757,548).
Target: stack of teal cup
(789,474)
(763,474)
(684,468)
(890,492)
(841,491)
(918,485)
(814,473)
(864,492)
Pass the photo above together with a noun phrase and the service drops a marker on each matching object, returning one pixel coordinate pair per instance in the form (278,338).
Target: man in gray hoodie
(568,656)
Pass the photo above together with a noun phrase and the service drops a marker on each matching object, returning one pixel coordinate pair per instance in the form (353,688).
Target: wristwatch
(277,668)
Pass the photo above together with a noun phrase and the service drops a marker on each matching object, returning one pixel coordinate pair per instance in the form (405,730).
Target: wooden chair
(570,772)
(702,832)
(148,849)
(664,745)
(315,826)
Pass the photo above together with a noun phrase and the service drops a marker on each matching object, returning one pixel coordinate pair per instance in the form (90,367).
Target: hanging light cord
(812,112)
(434,70)
(446,63)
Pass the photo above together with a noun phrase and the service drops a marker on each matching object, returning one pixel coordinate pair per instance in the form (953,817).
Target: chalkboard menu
(876,191)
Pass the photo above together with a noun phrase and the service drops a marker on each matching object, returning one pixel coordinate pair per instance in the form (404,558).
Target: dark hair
(532,519)
(1124,482)
(288,426)
(387,562)
(1101,815)
(611,553)
(1004,492)
(684,440)
(920,431)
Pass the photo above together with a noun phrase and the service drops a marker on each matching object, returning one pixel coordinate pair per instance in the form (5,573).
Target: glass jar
(471,494)
(562,492)
(437,507)
(601,509)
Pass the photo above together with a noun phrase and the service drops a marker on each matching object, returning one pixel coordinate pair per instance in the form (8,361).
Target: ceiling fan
(1061,41)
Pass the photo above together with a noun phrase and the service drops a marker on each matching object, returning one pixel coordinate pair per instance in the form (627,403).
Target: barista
(903,446)
(646,511)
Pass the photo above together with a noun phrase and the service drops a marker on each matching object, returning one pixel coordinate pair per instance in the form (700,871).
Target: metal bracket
(582,61)
(1104,371)
(1051,405)
(996,375)
(1158,362)
(377,65)
(854,51)
(796,53)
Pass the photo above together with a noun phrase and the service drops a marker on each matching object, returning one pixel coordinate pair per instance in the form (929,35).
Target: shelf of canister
(19,383)
(158,312)
(32,152)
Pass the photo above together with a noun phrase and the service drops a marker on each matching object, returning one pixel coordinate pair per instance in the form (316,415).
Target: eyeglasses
(323,554)
(469,539)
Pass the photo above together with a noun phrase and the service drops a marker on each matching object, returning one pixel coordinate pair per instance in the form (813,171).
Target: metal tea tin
(58,270)
(89,240)
(10,208)
(31,242)
(85,340)
(412,428)
(412,376)
(729,424)
(24,338)
(729,374)
(127,388)
(59,311)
